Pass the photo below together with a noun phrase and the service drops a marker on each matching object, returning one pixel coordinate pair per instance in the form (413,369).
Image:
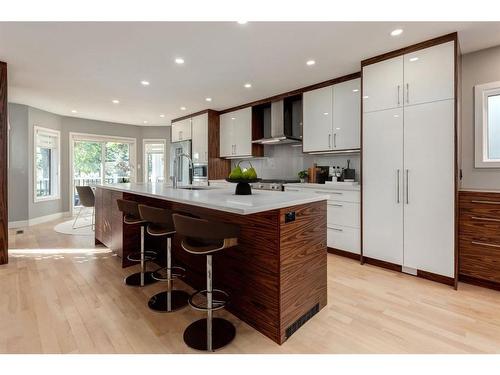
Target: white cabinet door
(226,135)
(383,85)
(429,216)
(429,74)
(317,119)
(382,205)
(346,114)
(181,130)
(242,136)
(199,125)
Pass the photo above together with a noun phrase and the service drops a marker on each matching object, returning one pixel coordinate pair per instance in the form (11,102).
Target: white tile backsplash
(285,161)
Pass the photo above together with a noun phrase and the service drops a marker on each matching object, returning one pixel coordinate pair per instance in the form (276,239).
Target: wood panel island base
(276,276)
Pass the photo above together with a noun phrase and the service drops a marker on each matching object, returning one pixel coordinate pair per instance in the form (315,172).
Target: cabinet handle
(180,135)
(336,204)
(485,219)
(333,192)
(408,93)
(485,202)
(337,229)
(206,155)
(398,97)
(329,141)
(407,188)
(485,244)
(398,200)
(335,140)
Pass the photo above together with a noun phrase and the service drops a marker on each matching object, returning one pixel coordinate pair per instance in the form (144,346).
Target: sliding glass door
(99,160)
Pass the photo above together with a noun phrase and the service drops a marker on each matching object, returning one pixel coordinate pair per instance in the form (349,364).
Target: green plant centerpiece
(302,175)
(243,177)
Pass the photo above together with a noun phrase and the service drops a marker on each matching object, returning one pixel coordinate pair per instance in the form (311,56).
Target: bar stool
(131,216)
(160,224)
(203,237)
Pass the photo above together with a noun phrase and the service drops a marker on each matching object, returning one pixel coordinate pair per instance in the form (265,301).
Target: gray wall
(477,68)
(22,119)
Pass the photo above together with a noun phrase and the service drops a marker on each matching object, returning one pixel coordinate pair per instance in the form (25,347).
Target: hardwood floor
(61,294)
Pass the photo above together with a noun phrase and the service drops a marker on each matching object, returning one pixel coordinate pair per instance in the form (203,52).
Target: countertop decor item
(243,178)
(302,175)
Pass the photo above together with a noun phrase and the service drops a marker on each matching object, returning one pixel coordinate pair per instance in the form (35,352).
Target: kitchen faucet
(176,172)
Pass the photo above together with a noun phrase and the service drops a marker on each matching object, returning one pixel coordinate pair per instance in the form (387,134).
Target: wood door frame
(452,37)
(4,218)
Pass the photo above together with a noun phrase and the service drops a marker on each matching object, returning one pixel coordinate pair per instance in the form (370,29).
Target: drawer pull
(339,205)
(485,202)
(337,229)
(485,219)
(485,244)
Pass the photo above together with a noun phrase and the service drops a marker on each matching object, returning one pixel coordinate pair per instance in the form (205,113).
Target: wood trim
(435,277)
(414,47)
(479,282)
(343,253)
(274,98)
(4,233)
(383,264)
(218,168)
(192,115)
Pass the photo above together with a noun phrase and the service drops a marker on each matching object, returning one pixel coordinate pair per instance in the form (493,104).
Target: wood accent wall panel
(217,168)
(275,274)
(479,238)
(4,219)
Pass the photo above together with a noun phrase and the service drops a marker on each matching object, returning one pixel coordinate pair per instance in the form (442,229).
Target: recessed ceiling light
(162,115)
(115,101)
(242,22)
(325,113)
(145,122)
(412,59)
(183,108)
(396,32)
(396,116)
(145,83)
(355,90)
(247,85)
(365,97)
(233,118)
(208,99)
(337,128)
(74,111)
(179,60)
(310,62)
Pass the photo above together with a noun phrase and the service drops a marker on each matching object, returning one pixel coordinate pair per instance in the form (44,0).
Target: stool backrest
(204,229)
(130,208)
(154,215)
(86,195)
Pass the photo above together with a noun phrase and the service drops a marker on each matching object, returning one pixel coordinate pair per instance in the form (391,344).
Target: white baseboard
(38,220)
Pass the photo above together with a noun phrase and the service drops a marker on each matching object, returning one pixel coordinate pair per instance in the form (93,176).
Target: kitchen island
(276,276)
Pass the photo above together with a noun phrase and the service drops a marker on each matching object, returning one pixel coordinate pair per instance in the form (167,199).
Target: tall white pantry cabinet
(408,162)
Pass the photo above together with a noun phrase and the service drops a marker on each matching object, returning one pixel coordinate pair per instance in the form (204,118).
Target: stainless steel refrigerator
(183,171)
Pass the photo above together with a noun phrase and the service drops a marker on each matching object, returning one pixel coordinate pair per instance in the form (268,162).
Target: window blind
(155,148)
(46,140)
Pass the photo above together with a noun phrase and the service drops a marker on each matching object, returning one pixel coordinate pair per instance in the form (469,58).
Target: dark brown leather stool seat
(203,237)
(131,216)
(160,224)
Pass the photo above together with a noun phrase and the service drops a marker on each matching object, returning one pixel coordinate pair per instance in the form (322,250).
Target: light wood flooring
(60,294)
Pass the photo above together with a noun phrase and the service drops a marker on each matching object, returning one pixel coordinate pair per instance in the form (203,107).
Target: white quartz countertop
(325,186)
(220,198)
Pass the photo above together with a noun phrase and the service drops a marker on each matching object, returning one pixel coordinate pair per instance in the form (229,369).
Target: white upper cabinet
(346,115)
(199,126)
(317,119)
(383,85)
(429,74)
(181,130)
(236,133)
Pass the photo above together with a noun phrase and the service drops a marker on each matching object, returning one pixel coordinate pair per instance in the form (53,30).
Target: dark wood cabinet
(108,220)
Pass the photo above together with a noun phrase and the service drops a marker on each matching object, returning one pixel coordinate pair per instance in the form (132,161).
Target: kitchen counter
(220,198)
(308,185)
(276,275)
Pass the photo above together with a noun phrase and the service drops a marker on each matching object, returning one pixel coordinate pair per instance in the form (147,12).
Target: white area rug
(83,227)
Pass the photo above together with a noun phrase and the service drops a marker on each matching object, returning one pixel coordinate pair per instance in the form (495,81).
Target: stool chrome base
(223,332)
(135,279)
(159,302)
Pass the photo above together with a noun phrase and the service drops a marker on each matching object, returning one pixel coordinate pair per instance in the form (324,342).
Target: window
(46,164)
(487,125)
(154,160)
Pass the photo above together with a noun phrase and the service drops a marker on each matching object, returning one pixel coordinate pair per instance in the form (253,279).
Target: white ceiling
(61,67)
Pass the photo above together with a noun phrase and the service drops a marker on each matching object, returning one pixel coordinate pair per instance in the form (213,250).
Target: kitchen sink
(196,187)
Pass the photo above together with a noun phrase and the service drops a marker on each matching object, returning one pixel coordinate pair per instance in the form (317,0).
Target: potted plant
(303,175)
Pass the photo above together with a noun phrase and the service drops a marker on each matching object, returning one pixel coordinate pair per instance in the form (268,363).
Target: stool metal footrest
(217,303)
(168,301)
(149,255)
(223,332)
(174,275)
(135,279)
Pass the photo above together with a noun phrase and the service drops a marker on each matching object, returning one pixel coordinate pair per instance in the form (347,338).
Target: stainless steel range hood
(285,125)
